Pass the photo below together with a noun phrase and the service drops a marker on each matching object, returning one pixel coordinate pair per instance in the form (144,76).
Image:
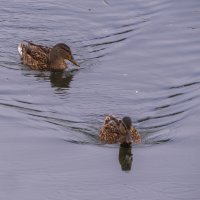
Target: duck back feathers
(35,56)
(114,130)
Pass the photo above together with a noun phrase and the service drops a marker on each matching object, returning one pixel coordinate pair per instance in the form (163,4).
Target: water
(138,58)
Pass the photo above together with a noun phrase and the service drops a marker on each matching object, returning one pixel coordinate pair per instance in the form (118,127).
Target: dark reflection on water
(105,43)
(125,157)
(60,79)
(185,85)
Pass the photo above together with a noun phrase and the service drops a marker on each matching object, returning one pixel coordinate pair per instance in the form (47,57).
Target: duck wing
(135,136)
(110,131)
(34,55)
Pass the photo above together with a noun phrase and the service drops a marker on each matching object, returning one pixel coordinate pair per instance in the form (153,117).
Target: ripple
(138,58)
(149,41)
(177,190)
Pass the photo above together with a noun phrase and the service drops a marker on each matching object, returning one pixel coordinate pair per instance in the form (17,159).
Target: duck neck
(56,61)
(128,136)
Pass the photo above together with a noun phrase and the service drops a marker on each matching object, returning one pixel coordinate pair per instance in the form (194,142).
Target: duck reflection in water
(125,157)
(61,80)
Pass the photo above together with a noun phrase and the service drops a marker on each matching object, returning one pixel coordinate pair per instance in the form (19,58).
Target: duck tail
(20,48)
(24,44)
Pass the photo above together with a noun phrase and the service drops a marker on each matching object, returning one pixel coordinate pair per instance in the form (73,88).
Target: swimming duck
(41,57)
(119,131)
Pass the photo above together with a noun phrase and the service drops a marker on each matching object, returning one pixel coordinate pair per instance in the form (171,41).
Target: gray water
(138,58)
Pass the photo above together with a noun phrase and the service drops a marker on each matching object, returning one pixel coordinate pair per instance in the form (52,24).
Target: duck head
(125,128)
(127,122)
(61,52)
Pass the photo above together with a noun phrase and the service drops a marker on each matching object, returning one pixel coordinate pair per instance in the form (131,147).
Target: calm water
(139,58)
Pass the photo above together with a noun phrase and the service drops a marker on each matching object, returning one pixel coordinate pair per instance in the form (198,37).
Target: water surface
(138,58)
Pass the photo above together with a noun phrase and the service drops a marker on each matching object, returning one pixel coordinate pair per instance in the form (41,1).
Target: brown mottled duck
(41,57)
(118,131)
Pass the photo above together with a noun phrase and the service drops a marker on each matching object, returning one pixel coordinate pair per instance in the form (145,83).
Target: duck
(40,57)
(115,130)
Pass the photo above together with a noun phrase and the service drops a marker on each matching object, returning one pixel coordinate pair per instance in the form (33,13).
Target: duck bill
(74,62)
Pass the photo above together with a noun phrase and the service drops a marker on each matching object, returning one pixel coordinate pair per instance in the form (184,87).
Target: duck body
(115,130)
(39,57)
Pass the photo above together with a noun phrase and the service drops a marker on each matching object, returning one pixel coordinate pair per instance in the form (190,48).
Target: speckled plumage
(39,57)
(114,131)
